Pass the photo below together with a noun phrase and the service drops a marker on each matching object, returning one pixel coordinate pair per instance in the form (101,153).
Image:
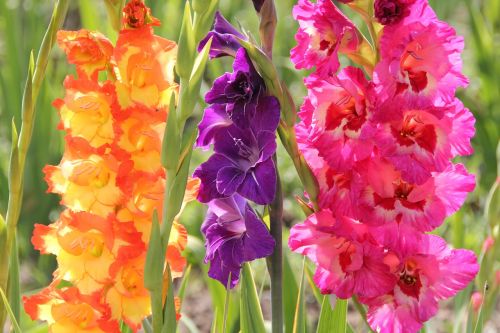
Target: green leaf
(339,319)
(290,296)
(13,288)
(205,16)
(185,279)
(153,269)
(176,194)
(299,324)
(316,292)
(326,315)
(17,329)
(146,324)
(252,320)
(171,139)
(189,95)
(332,321)
(14,169)
(169,315)
(214,328)
(187,47)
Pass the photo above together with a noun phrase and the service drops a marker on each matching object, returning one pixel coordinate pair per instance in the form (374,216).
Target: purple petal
(259,185)
(242,62)
(241,113)
(228,179)
(219,270)
(224,42)
(207,172)
(214,118)
(267,144)
(257,242)
(217,93)
(238,145)
(228,209)
(267,114)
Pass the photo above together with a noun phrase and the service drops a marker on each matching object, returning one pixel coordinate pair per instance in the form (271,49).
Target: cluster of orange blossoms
(110,178)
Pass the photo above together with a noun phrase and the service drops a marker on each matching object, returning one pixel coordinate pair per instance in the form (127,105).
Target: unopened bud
(488,243)
(476,300)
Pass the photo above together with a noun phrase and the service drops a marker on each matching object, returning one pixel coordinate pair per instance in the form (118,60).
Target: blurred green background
(23,23)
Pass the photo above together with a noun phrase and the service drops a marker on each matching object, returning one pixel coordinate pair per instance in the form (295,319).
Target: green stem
(275,262)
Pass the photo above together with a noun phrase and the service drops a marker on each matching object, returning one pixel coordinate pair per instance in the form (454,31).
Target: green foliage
(252,320)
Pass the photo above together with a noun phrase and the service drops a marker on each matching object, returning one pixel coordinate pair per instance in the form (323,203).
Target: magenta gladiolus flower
(234,235)
(349,261)
(324,31)
(421,139)
(339,108)
(428,271)
(420,59)
(387,198)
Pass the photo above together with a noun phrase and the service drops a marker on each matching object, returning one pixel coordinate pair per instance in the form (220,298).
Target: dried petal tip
(391,11)
(136,15)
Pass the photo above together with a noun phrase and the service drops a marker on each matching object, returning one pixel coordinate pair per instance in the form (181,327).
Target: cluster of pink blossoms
(381,149)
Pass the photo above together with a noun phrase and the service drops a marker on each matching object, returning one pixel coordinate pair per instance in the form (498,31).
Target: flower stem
(275,261)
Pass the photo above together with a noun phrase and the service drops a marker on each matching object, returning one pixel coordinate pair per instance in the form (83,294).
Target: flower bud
(488,244)
(476,300)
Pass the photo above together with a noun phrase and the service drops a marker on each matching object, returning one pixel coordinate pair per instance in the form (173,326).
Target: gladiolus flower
(242,162)
(428,271)
(324,31)
(67,310)
(234,235)
(349,260)
(89,51)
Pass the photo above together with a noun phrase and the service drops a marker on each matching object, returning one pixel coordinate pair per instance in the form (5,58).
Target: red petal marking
(409,280)
(345,108)
(414,131)
(410,62)
(418,80)
(426,138)
(386,203)
(345,256)
(401,193)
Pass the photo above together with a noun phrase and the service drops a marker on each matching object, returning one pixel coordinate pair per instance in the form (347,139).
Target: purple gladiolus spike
(234,235)
(224,42)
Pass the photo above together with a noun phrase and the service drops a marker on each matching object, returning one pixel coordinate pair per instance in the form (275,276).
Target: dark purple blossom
(224,42)
(238,90)
(242,162)
(234,235)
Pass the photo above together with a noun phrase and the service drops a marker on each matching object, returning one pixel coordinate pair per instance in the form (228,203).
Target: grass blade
(290,296)
(339,324)
(299,324)
(17,329)
(252,320)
